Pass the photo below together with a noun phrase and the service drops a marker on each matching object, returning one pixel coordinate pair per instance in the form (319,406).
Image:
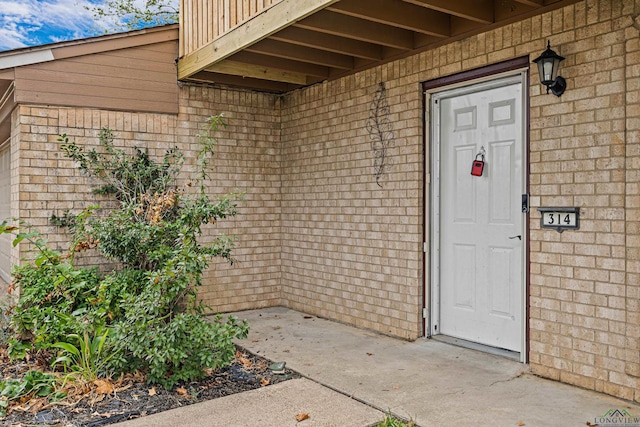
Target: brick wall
(319,235)
(352,250)
(632,202)
(580,330)
(247,160)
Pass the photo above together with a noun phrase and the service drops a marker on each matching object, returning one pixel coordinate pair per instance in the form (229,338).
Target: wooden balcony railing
(203,21)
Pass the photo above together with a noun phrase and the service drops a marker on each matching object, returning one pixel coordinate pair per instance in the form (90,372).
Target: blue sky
(35,22)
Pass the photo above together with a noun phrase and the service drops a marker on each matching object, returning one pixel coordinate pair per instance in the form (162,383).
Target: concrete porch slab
(434,383)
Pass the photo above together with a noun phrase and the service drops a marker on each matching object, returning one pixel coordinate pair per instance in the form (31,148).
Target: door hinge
(425,247)
(425,313)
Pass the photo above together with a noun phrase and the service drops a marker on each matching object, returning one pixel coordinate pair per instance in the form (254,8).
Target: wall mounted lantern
(548,64)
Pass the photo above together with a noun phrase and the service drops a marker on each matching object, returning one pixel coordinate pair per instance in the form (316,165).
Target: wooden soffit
(295,43)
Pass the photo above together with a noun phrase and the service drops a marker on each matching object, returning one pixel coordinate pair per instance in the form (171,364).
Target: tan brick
(318,235)
(578,380)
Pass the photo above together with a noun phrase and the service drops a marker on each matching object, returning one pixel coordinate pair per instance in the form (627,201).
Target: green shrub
(175,350)
(126,175)
(56,299)
(145,316)
(32,383)
(86,358)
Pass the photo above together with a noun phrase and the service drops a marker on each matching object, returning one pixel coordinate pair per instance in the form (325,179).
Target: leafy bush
(87,358)
(35,383)
(145,316)
(56,298)
(175,350)
(125,175)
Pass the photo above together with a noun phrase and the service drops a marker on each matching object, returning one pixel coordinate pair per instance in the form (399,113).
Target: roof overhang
(12,59)
(50,52)
(295,43)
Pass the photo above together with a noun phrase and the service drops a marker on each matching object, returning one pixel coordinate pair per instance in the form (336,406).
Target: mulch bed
(102,403)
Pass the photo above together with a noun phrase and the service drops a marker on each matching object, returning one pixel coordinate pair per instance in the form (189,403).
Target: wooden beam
(396,13)
(329,42)
(301,53)
(273,19)
(511,10)
(358,29)
(282,64)
(532,3)
(476,10)
(248,82)
(249,70)
(423,40)
(464,26)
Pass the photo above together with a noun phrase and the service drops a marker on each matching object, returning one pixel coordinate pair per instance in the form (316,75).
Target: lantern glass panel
(549,69)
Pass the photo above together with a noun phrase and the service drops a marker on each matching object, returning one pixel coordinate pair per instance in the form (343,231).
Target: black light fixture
(548,64)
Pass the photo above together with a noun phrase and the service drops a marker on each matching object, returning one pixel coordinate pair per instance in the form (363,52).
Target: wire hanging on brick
(380,131)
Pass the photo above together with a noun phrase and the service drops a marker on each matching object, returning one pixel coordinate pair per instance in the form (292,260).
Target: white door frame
(432,202)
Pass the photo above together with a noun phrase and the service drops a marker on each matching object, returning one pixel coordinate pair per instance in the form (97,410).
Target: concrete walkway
(354,376)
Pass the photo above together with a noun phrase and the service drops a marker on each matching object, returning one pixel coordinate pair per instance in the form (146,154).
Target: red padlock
(478,165)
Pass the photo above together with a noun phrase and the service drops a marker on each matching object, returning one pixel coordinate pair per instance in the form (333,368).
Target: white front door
(480,224)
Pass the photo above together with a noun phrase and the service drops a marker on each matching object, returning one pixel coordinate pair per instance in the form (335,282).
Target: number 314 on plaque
(560,218)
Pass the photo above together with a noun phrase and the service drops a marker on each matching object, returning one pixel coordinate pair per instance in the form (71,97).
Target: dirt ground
(113,401)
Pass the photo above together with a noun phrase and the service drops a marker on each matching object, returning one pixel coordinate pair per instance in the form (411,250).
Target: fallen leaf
(521,423)
(103,387)
(152,391)
(369,354)
(243,360)
(181,391)
(302,417)
(126,387)
(98,398)
(36,405)
(265,382)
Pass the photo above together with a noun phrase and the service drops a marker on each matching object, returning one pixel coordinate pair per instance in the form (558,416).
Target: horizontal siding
(133,79)
(205,20)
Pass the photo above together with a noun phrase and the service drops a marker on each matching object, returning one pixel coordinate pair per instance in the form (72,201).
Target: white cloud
(32,22)
(11,37)
(35,22)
